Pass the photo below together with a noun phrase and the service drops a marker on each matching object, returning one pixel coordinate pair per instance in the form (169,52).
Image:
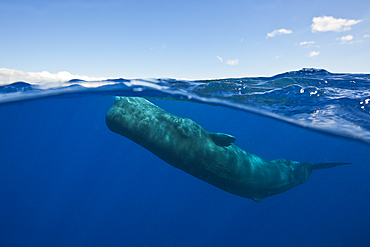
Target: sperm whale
(211,157)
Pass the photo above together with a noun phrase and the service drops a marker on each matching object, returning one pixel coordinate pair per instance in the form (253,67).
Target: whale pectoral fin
(222,140)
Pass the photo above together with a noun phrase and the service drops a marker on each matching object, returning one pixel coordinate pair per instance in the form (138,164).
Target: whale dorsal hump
(221,139)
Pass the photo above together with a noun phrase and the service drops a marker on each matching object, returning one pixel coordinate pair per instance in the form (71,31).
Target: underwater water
(67,180)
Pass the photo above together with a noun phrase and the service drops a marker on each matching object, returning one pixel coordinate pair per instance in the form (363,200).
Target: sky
(67,39)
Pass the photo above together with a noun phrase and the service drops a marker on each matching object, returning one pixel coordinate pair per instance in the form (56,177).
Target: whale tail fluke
(327,165)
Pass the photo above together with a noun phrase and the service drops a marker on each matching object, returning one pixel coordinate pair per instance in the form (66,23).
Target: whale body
(211,157)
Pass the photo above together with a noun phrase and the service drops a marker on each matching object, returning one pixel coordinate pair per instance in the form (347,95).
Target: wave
(334,103)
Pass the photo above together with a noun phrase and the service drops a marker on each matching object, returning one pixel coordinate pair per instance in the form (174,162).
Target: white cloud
(366,36)
(346,38)
(8,76)
(232,62)
(307,43)
(278,32)
(349,40)
(314,53)
(329,23)
(229,62)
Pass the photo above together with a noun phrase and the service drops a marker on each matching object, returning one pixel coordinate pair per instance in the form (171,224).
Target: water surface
(66,180)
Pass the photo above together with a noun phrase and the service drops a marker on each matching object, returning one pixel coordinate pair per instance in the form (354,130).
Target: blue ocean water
(67,180)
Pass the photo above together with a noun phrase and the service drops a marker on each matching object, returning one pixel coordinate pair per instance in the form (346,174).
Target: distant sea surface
(314,98)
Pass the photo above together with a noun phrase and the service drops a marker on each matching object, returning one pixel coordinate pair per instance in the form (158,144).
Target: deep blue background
(67,180)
